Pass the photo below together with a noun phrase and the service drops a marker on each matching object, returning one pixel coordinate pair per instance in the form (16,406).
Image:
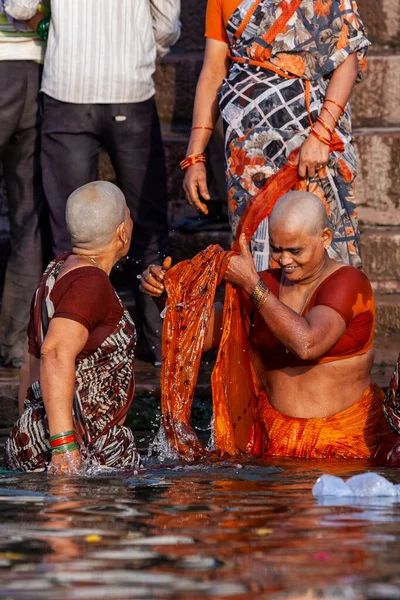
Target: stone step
(381,257)
(387,313)
(377,189)
(374,101)
(381,17)
(387,348)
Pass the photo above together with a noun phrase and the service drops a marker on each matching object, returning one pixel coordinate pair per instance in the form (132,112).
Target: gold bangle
(260,294)
(263,299)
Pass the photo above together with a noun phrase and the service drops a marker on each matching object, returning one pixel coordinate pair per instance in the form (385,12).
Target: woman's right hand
(195,186)
(67,463)
(152,280)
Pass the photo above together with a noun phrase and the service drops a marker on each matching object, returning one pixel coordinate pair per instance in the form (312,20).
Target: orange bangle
(325,126)
(329,113)
(320,137)
(199,127)
(191,160)
(336,104)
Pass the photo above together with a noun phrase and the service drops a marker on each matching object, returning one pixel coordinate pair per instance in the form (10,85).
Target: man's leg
(20,150)
(135,147)
(70,149)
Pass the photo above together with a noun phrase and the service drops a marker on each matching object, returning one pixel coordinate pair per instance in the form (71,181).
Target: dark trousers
(72,137)
(20,153)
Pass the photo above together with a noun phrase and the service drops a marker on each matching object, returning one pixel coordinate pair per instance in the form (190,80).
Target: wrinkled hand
(152,281)
(241,271)
(312,157)
(68,463)
(195,186)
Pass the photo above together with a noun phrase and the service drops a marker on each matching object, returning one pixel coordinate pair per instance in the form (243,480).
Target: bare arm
(307,337)
(205,114)
(64,341)
(313,152)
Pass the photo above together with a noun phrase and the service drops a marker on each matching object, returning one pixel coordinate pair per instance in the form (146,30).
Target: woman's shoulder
(349,276)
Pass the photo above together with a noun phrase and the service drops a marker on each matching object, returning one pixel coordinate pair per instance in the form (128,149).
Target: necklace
(89,258)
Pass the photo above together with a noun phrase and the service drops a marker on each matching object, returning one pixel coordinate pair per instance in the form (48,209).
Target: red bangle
(325,126)
(63,440)
(336,104)
(320,137)
(191,160)
(199,127)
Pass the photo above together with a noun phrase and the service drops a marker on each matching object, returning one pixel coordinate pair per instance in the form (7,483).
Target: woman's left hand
(313,156)
(241,271)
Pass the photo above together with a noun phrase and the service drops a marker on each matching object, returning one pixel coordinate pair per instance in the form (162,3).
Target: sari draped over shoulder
(104,389)
(283,55)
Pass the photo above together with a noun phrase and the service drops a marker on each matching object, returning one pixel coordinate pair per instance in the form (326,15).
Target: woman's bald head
(94,212)
(299,211)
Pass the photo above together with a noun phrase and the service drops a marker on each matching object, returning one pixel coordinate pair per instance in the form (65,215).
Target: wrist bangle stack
(320,137)
(192,159)
(63,442)
(260,294)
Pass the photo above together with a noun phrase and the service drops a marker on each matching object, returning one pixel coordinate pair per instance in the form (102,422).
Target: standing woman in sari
(281,72)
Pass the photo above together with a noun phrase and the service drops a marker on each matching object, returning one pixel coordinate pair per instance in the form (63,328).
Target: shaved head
(300,211)
(93,214)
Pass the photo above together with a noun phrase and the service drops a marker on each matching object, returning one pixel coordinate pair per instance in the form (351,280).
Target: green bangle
(53,438)
(65,448)
(43,28)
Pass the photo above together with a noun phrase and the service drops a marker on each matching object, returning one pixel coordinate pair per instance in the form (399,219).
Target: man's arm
(166,24)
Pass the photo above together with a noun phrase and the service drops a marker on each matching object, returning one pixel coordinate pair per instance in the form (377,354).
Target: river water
(228,530)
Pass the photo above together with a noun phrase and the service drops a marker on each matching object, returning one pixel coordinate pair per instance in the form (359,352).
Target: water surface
(249,530)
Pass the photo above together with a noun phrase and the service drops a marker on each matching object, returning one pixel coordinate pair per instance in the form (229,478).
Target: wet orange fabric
(354,432)
(236,386)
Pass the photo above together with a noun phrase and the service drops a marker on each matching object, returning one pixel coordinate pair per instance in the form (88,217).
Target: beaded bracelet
(191,160)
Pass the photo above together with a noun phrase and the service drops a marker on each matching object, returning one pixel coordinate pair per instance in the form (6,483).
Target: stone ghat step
(387,313)
(381,257)
(381,17)
(374,101)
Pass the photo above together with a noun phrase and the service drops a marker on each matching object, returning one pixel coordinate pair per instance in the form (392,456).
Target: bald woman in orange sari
(292,377)
(280,73)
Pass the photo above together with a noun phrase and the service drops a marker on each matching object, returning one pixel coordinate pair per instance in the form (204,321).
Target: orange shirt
(217,16)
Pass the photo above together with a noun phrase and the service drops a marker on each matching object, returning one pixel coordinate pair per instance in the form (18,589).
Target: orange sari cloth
(354,432)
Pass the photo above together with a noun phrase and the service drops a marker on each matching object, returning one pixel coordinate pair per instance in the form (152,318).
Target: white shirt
(104,51)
